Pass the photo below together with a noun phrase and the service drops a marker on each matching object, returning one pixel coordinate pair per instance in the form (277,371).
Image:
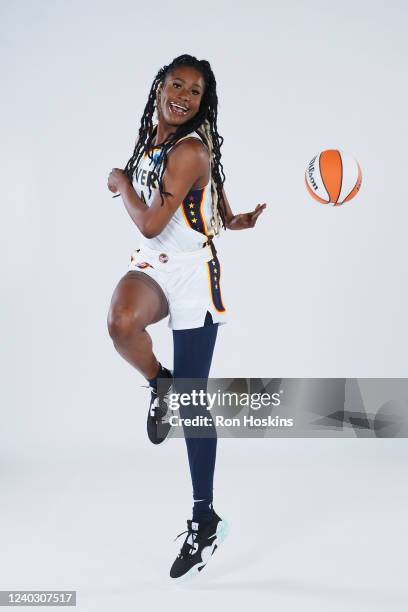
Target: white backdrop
(311,291)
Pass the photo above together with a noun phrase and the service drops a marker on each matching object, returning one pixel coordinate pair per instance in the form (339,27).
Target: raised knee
(123,322)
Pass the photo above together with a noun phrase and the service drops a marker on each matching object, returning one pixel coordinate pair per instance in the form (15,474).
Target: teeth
(177,109)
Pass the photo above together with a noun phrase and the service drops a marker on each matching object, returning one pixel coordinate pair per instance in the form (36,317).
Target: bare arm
(244,220)
(187,163)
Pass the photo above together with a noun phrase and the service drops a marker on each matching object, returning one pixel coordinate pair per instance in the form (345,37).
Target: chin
(175,121)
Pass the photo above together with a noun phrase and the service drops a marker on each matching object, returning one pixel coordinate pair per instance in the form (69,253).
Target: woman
(172,188)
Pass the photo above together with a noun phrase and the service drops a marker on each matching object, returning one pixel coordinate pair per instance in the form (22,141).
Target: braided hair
(204,122)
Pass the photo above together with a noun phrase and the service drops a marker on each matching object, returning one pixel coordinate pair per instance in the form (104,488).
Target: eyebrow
(179,79)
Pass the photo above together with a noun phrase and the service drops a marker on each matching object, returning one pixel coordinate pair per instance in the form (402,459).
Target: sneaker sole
(221,534)
(165,439)
(170,435)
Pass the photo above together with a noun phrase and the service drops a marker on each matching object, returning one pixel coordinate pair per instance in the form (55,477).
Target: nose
(184,94)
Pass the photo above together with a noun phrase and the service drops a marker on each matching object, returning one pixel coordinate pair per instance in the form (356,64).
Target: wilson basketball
(333,177)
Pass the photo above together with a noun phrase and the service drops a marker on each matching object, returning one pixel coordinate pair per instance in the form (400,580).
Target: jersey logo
(146,178)
(143,264)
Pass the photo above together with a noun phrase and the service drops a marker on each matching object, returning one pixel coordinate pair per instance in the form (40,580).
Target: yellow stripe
(219,286)
(184,214)
(207,263)
(201,213)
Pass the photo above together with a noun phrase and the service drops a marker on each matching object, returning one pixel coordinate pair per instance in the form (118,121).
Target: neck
(163,131)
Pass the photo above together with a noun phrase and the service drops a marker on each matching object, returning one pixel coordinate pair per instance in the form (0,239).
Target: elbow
(228,222)
(149,231)
(150,234)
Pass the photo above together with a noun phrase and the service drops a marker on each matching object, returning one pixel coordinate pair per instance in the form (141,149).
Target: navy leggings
(193,351)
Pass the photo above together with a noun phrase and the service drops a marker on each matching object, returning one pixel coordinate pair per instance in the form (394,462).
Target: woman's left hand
(117,180)
(246,220)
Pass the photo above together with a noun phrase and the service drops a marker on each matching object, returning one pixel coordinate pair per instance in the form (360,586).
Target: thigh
(141,296)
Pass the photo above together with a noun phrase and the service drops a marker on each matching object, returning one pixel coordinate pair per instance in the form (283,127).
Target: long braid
(205,122)
(205,132)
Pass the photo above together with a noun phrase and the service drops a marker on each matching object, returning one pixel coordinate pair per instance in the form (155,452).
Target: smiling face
(181,95)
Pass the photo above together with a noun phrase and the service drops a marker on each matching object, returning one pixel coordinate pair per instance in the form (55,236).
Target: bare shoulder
(189,152)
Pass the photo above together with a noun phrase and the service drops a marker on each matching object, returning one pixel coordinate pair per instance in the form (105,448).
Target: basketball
(333,177)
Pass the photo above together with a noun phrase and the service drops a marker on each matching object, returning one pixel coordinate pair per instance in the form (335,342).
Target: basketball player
(172,188)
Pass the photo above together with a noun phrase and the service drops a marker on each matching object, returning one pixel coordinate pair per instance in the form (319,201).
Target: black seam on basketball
(312,193)
(341,178)
(321,176)
(350,191)
(355,184)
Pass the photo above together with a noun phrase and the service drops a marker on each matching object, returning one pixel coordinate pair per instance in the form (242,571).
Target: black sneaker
(158,425)
(202,540)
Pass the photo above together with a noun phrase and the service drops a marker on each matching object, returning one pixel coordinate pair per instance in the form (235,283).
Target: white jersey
(190,226)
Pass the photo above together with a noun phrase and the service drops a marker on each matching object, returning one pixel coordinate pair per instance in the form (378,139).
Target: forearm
(244,220)
(234,222)
(231,221)
(135,206)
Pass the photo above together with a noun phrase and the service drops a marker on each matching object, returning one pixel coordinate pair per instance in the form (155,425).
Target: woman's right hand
(117,180)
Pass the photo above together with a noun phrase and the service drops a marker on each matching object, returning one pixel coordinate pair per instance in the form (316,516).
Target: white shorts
(190,281)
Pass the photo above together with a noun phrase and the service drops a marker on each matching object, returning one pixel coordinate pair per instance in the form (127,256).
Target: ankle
(161,373)
(203,511)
